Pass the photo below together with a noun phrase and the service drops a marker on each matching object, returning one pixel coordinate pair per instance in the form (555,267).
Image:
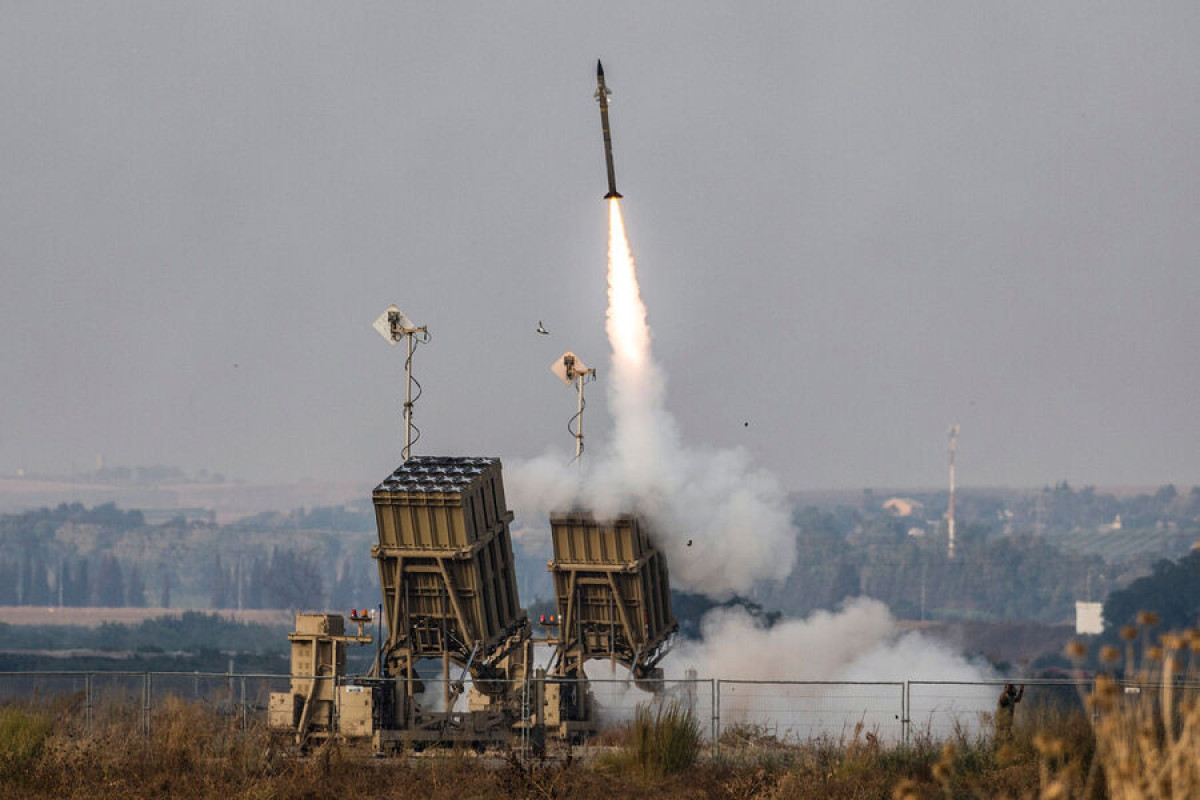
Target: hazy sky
(854,224)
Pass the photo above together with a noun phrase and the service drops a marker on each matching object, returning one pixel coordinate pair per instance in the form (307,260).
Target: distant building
(902,506)
(1089,618)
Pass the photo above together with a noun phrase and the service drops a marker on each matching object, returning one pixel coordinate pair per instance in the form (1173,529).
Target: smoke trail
(735,517)
(722,524)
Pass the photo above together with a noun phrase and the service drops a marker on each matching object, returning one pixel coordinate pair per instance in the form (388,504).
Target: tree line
(77,557)
(72,582)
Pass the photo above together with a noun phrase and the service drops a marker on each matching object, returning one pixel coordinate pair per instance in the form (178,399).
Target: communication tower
(950,509)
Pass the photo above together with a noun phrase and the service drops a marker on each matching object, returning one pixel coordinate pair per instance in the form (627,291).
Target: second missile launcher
(612,593)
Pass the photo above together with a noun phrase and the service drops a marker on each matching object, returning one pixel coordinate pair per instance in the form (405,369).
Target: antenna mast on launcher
(393,325)
(573,372)
(950,510)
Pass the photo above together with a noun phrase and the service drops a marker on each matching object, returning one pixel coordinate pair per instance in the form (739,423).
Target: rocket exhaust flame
(635,392)
(628,332)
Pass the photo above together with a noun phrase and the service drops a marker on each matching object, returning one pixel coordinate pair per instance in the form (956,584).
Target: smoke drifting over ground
(736,517)
(857,643)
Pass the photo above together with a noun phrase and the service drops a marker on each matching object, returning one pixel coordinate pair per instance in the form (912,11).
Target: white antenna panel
(568,367)
(391,323)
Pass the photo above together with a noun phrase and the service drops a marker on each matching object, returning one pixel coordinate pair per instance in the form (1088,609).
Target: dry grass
(1144,745)
(194,752)
(1147,727)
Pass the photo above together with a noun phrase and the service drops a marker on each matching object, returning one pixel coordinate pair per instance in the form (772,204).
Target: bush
(22,737)
(665,738)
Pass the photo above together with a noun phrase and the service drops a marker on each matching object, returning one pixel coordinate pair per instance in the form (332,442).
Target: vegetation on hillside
(190,631)
(191,641)
(74,556)
(1172,589)
(1020,555)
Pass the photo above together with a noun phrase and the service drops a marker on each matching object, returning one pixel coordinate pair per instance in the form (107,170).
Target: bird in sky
(542,329)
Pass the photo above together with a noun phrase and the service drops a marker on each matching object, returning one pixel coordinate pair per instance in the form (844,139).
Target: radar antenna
(573,372)
(393,325)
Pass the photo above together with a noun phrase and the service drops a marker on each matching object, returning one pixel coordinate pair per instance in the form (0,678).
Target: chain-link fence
(757,715)
(124,703)
(944,709)
(733,715)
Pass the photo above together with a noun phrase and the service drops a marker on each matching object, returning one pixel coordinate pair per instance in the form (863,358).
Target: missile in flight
(602,94)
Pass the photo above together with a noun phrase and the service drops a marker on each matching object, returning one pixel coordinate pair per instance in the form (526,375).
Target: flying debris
(542,329)
(602,94)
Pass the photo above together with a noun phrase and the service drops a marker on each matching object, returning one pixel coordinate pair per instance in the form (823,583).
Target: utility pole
(922,590)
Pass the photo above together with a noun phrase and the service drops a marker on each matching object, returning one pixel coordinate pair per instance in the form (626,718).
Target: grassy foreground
(197,753)
(1124,744)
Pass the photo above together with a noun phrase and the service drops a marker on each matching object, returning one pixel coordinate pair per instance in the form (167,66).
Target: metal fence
(733,714)
(128,702)
(942,709)
(800,711)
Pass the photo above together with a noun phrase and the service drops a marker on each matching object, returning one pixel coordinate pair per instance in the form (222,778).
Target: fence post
(243,702)
(717,717)
(526,717)
(906,705)
(146,689)
(715,721)
(87,698)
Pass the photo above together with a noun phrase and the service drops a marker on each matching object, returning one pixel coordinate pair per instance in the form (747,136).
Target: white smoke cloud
(859,642)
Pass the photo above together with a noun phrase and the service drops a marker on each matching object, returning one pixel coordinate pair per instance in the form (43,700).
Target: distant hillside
(1020,555)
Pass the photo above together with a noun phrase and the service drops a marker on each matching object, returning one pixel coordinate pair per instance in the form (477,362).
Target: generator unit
(318,660)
